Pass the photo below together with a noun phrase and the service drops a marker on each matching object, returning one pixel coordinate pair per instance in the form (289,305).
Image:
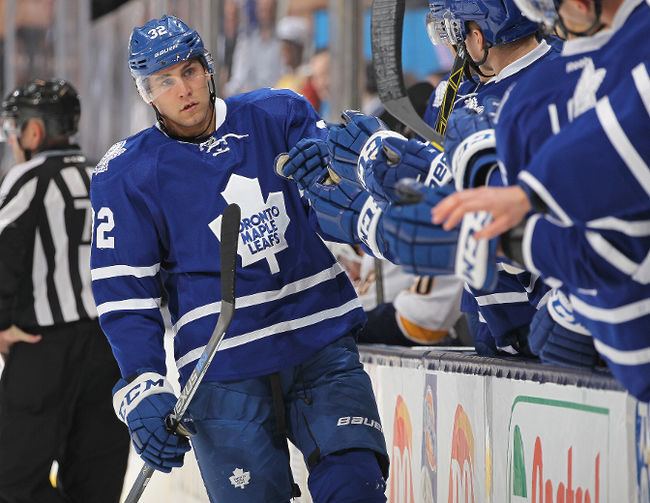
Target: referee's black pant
(56,404)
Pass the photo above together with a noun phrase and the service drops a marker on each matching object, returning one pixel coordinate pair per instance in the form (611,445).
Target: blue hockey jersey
(581,147)
(157,206)
(517,295)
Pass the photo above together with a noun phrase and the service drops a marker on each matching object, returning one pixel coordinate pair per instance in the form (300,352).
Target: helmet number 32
(156,32)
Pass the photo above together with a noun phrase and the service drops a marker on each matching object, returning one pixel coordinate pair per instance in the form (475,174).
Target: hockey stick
(449,98)
(229,240)
(387,21)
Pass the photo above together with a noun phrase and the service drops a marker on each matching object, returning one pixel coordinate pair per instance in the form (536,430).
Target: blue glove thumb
(412,192)
(393,149)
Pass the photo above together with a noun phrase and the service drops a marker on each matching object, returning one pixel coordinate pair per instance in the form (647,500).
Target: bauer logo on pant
(240,478)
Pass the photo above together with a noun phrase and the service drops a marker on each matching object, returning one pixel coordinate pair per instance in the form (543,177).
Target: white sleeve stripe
(74,182)
(642,83)
(481,318)
(623,357)
(261,297)
(115,271)
(621,314)
(18,204)
(610,254)
(545,195)
(16,172)
(638,228)
(127,305)
(642,275)
(198,313)
(284,326)
(509,268)
(501,298)
(526,245)
(55,209)
(622,144)
(544,300)
(555,121)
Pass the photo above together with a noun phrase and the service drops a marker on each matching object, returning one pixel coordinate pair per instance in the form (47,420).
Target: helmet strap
(191,139)
(475,65)
(213,90)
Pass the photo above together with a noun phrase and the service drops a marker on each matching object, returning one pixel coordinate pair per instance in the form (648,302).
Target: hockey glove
(427,249)
(470,145)
(346,142)
(304,163)
(338,208)
(144,404)
(558,339)
(386,159)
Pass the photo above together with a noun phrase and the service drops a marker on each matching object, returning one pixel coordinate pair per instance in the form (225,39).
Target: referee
(55,389)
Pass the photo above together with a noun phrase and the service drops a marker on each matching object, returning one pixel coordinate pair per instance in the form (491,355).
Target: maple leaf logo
(115,151)
(263,223)
(240,478)
(584,97)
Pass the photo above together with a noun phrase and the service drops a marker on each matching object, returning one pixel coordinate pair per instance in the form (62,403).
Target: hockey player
(55,390)
(289,366)
(586,180)
(500,45)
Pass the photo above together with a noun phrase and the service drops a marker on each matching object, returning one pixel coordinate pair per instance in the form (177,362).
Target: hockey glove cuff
(557,338)
(346,142)
(474,159)
(427,249)
(144,404)
(388,157)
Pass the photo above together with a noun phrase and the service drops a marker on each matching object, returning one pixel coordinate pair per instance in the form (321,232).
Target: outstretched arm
(508,206)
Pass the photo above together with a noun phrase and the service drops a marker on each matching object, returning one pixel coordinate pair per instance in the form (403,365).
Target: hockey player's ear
(33,134)
(475,42)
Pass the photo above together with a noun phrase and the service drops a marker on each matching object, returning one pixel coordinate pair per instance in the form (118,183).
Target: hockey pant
(330,414)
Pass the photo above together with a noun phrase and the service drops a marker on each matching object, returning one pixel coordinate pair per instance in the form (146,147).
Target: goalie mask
(162,43)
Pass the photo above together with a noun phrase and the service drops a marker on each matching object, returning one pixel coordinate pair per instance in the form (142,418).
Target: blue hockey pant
(327,410)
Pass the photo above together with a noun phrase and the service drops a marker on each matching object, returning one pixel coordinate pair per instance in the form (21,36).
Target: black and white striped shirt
(45,236)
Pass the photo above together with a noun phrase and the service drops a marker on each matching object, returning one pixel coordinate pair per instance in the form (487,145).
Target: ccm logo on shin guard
(350,420)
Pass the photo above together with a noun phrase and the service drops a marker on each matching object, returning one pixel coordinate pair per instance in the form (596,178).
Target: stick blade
(229,241)
(387,21)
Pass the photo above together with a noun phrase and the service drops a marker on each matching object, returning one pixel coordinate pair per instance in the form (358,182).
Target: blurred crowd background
(319,48)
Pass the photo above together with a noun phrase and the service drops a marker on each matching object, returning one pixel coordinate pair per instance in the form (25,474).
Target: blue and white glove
(346,142)
(337,205)
(306,162)
(144,404)
(386,159)
(470,146)
(427,249)
(557,338)
(338,209)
